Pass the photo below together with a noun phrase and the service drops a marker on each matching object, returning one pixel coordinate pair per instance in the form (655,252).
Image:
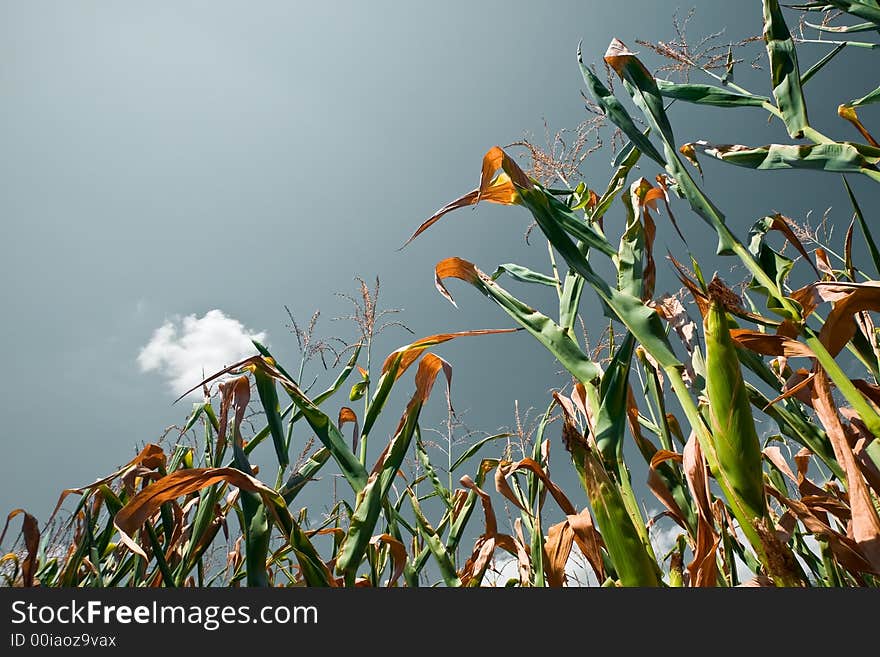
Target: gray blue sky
(169,159)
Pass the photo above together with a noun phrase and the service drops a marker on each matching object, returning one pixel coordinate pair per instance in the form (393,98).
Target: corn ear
(734,437)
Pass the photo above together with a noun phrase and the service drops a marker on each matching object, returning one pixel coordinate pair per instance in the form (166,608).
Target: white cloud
(185,349)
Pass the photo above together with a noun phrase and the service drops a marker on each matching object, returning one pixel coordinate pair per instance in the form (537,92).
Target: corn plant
(742,513)
(740,496)
(157,521)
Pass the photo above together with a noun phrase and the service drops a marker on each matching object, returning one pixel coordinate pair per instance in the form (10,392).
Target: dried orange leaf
(774,455)
(397,551)
(142,506)
(31,532)
(501,189)
(770,344)
(557,549)
(840,325)
(588,540)
(865,521)
(410,353)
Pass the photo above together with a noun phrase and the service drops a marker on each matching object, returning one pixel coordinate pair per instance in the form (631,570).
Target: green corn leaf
(380,397)
(304,474)
(441,554)
(333,440)
(256,525)
(476,447)
(617,113)
(643,89)
(439,489)
(818,66)
(776,265)
(785,75)
(629,158)
(266,354)
(610,426)
(368,504)
(575,226)
(867,99)
(867,9)
(705,94)
(269,400)
(198,409)
(845,29)
(641,320)
(523,274)
(358,390)
(863,225)
(634,261)
(318,400)
(570,301)
(373,496)
(573,285)
(545,330)
(842,157)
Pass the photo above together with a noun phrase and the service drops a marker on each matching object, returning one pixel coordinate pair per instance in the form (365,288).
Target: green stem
(167,576)
(632,506)
(363,450)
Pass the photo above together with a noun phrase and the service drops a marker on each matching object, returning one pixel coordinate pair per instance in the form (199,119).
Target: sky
(176,173)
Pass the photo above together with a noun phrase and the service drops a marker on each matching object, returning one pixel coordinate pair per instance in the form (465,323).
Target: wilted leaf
(347,415)
(702,569)
(410,353)
(31,532)
(524,564)
(501,190)
(235,393)
(588,540)
(490,523)
(865,522)
(151,456)
(845,549)
(774,455)
(770,344)
(487,542)
(397,551)
(840,325)
(848,113)
(507,469)
(557,549)
(184,482)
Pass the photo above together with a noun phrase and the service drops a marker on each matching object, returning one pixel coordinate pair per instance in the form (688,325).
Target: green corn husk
(734,437)
(633,563)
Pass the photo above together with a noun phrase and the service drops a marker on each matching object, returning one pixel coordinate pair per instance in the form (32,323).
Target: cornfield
(795,507)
